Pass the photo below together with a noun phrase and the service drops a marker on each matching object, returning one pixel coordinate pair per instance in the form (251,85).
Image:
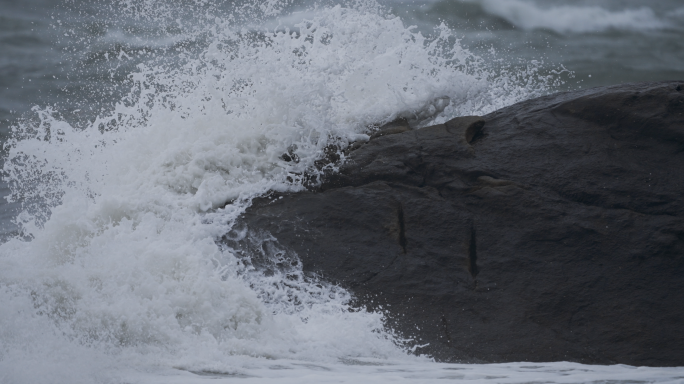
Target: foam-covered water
(124,189)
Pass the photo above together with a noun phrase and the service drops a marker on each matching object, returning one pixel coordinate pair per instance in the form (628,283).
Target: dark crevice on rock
(445,324)
(474,131)
(472,253)
(469,128)
(477,137)
(372,276)
(402,228)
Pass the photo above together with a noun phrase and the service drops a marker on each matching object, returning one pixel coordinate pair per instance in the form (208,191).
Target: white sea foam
(570,18)
(118,266)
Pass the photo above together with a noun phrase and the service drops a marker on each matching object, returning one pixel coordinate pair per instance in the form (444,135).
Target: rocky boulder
(549,230)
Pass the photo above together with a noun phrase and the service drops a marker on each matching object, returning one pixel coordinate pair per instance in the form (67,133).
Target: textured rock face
(549,230)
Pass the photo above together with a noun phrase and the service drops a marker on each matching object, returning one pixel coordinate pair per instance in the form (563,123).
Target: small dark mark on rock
(402,227)
(472,253)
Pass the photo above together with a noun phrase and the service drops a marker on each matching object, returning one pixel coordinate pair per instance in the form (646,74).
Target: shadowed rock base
(549,230)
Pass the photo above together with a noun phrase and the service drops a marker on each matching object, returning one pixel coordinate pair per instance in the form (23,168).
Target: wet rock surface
(549,230)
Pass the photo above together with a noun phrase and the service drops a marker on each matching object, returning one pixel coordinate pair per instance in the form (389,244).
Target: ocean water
(136,132)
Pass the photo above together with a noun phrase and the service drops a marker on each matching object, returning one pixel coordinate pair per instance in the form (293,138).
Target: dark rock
(549,230)
(398,126)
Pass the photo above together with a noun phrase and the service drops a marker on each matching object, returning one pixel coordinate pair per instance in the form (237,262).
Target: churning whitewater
(118,268)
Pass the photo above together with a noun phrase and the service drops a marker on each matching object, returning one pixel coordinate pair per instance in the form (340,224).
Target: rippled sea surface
(136,132)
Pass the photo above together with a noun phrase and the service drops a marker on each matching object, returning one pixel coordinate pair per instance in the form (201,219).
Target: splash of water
(118,261)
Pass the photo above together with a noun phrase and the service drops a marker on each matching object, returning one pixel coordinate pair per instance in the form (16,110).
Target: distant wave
(678,13)
(573,19)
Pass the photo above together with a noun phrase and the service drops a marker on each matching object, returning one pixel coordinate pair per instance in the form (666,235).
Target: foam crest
(119,253)
(573,19)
